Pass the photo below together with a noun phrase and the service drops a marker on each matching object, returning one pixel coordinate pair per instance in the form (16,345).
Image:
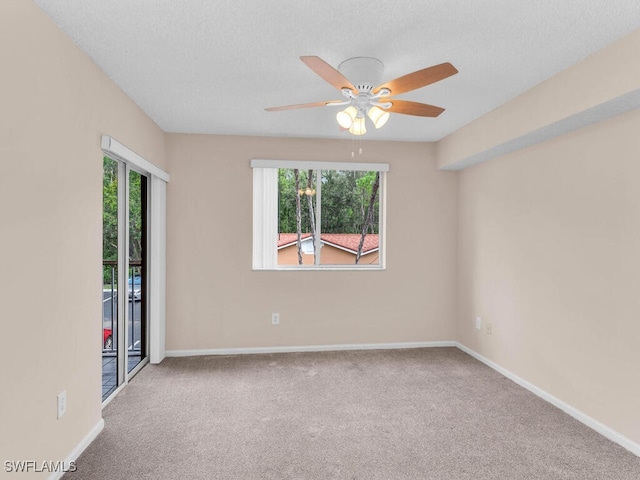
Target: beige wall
(603,77)
(217,301)
(55,106)
(549,253)
(549,237)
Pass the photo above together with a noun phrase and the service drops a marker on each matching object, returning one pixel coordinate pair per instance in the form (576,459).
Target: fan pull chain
(353,153)
(353,146)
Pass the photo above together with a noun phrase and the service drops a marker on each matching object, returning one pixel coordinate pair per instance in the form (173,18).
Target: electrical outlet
(275,319)
(62,403)
(478,323)
(488,328)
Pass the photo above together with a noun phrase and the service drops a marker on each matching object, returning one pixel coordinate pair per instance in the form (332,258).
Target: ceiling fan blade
(418,79)
(413,108)
(305,105)
(328,73)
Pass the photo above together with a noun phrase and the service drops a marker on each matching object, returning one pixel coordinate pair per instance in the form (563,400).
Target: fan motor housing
(363,72)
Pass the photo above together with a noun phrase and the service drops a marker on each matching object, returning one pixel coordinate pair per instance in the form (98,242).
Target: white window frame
(265,211)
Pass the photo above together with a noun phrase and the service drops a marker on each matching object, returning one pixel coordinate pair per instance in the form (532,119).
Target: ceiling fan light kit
(378,116)
(347,116)
(358,126)
(357,78)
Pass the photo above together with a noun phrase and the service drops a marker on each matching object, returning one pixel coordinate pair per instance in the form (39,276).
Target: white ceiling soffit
(198,66)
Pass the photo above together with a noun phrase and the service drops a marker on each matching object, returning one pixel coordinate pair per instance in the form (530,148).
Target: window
(318,215)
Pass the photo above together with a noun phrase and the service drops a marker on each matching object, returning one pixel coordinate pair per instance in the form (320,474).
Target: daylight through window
(318,215)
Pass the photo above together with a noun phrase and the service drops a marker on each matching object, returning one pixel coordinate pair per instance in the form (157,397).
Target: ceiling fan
(366,97)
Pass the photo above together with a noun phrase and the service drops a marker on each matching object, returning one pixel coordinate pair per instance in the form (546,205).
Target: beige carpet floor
(388,414)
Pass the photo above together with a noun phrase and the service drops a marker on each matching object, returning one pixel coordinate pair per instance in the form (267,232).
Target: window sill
(318,268)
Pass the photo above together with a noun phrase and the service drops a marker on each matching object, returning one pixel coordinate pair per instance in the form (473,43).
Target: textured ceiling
(198,66)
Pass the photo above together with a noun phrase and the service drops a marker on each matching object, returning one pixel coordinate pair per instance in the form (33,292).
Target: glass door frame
(122,326)
(144,298)
(157,181)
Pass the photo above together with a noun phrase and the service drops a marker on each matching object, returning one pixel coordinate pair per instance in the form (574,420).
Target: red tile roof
(287,238)
(348,241)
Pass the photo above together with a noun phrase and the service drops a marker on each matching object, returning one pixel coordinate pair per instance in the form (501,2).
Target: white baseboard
(309,348)
(75,453)
(575,413)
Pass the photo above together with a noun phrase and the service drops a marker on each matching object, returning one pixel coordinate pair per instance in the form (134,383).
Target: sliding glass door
(137,278)
(124,316)
(112,190)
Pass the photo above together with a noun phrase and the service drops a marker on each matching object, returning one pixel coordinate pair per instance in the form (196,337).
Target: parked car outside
(135,290)
(107,339)
(135,294)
